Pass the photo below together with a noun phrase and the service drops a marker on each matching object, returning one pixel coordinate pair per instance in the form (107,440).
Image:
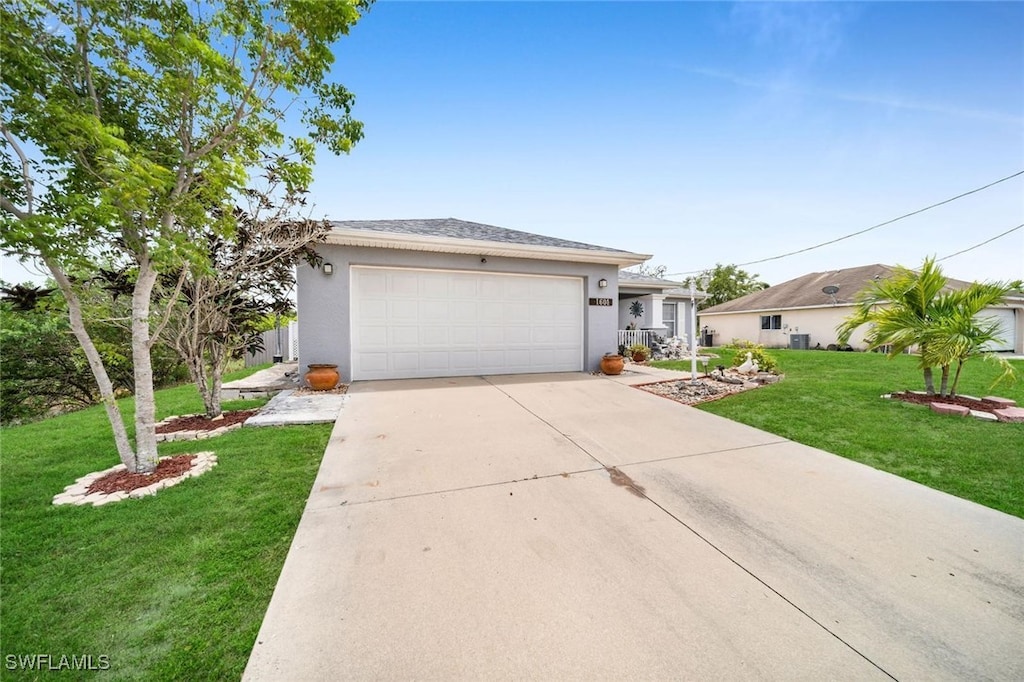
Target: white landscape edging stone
(77,493)
(190,435)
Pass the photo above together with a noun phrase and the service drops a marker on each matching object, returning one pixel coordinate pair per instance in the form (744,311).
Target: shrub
(765,362)
(42,367)
(639,348)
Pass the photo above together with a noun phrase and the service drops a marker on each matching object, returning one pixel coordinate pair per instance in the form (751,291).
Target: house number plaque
(601,301)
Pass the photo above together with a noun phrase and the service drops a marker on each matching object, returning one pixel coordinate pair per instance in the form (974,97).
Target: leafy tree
(916,309)
(122,124)
(725,283)
(223,306)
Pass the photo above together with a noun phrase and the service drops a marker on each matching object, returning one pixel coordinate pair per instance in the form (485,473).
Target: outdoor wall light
(328,269)
(602,283)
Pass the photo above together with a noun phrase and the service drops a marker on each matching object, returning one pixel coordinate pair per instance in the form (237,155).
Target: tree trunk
(211,399)
(121,441)
(210,388)
(145,399)
(197,372)
(929,383)
(956,378)
(945,380)
(217,371)
(213,369)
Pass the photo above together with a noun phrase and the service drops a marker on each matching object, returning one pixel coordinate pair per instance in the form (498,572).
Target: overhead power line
(979,244)
(866,229)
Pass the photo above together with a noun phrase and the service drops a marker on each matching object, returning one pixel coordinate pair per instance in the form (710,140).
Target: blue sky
(697,132)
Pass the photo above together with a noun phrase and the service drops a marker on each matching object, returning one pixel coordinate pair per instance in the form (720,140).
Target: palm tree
(960,332)
(913,309)
(900,309)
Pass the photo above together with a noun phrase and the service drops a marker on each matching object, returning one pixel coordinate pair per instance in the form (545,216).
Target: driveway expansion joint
(619,478)
(444,491)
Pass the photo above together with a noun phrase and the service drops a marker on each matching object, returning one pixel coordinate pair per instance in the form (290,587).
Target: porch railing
(627,337)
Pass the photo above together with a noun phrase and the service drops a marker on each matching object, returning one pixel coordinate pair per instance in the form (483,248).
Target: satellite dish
(831,290)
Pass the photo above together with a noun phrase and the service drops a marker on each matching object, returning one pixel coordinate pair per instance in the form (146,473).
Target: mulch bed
(199,422)
(123,481)
(924,399)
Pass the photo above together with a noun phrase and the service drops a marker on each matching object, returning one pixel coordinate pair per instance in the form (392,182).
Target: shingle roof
(454,228)
(806,291)
(684,292)
(636,278)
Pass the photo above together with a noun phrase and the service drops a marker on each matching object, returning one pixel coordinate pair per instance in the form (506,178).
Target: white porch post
(694,284)
(693,332)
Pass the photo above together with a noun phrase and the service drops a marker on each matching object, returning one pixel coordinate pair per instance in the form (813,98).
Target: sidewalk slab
(286,408)
(279,377)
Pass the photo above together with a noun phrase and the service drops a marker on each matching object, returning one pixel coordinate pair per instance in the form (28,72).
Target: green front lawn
(831,401)
(172,586)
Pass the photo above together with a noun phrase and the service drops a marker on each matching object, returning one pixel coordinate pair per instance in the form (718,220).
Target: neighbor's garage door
(1007,328)
(428,323)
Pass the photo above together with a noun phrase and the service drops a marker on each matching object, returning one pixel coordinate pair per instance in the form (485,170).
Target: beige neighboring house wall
(804,308)
(819,323)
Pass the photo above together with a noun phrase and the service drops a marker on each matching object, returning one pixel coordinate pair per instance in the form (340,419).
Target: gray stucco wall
(323,300)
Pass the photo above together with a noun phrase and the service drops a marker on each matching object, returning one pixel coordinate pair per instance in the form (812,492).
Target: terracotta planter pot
(639,357)
(322,377)
(611,364)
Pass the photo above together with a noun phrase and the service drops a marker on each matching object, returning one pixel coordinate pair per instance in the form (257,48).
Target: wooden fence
(289,345)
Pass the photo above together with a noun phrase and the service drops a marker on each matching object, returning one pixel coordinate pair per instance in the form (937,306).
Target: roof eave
(1011,301)
(777,310)
(628,286)
(477,247)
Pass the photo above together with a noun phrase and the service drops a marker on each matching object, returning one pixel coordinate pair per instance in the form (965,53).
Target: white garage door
(1007,328)
(428,323)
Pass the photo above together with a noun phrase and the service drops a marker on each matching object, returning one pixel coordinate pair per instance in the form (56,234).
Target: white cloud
(785,84)
(805,32)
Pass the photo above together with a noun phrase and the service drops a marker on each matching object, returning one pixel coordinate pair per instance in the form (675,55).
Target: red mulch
(922,399)
(204,423)
(123,481)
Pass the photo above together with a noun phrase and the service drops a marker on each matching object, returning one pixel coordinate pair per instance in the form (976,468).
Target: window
(668,317)
(771,322)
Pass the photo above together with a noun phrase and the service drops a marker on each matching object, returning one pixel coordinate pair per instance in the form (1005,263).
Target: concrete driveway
(572,527)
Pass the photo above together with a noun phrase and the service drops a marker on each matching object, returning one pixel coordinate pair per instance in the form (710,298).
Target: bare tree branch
(169,309)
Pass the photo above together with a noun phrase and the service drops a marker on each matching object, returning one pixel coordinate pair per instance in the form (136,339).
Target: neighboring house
(446,297)
(804,312)
(664,306)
